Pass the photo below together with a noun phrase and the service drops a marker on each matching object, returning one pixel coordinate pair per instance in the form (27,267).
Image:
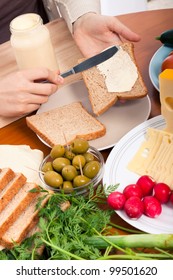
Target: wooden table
(148,24)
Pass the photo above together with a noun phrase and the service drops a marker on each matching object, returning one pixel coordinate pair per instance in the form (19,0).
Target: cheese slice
(155,155)
(23,159)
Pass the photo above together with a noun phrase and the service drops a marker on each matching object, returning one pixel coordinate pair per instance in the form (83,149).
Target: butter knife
(91,62)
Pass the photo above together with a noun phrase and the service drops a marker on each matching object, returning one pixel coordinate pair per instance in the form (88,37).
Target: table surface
(148,24)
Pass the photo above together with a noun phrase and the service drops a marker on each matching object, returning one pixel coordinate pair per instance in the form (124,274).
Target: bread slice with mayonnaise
(122,76)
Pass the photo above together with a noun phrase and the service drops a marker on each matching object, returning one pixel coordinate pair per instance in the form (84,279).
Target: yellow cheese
(155,155)
(21,158)
(166,97)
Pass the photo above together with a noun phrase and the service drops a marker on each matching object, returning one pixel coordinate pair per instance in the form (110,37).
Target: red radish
(152,207)
(171,197)
(132,190)
(116,200)
(146,183)
(162,192)
(134,207)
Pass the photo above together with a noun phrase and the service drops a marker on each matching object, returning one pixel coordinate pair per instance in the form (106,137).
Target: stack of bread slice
(18,211)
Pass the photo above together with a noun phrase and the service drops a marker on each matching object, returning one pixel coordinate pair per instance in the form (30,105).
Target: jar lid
(25,22)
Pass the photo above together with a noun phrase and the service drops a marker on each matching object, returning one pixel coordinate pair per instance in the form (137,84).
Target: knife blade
(91,62)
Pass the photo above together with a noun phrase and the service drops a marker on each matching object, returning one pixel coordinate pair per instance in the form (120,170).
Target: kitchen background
(118,7)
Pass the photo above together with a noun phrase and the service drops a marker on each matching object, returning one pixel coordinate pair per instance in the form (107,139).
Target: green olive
(79,146)
(53,179)
(91,169)
(69,172)
(69,154)
(78,161)
(59,163)
(88,156)
(67,187)
(57,151)
(80,180)
(47,166)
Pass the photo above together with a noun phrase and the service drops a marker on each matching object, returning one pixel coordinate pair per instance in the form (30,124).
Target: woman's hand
(23,92)
(93,33)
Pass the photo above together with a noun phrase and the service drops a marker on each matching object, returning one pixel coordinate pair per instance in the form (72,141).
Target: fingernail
(60,80)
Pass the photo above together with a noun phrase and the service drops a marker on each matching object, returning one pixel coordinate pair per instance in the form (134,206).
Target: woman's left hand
(93,33)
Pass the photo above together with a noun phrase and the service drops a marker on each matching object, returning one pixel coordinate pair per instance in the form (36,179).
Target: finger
(44,89)
(125,32)
(24,99)
(43,74)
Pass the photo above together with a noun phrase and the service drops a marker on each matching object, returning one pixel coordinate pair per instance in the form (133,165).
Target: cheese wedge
(166,97)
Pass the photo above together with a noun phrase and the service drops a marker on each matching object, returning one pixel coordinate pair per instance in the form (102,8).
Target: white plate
(116,172)
(119,119)
(155,64)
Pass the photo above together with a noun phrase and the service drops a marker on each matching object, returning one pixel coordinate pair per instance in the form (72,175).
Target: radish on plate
(152,207)
(134,207)
(116,200)
(133,190)
(146,183)
(162,192)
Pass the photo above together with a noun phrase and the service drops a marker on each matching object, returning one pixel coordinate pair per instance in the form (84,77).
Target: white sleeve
(71,10)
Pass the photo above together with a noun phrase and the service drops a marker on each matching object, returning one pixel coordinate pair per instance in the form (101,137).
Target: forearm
(71,10)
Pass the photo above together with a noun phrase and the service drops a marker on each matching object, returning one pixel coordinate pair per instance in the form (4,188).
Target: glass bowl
(94,182)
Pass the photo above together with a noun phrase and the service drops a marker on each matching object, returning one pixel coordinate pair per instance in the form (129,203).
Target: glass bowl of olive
(73,168)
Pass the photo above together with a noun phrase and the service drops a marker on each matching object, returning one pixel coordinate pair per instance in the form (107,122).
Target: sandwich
(117,78)
(63,124)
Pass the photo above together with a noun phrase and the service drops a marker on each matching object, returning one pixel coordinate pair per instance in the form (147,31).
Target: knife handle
(67,73)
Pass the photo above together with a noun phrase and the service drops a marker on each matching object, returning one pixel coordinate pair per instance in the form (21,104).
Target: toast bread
(6,175)
(11,188)
(63,124)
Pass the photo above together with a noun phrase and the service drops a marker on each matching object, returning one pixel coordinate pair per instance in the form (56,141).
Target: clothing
(11,9)
(70,10)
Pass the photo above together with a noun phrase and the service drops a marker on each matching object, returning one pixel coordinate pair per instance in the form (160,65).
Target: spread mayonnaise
(120,72)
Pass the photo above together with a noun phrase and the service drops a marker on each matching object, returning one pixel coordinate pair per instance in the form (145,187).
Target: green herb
(83,232)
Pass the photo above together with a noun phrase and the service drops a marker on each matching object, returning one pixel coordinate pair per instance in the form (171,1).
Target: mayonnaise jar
(31,42)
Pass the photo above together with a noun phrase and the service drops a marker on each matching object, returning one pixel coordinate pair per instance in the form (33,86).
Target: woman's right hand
(22,92)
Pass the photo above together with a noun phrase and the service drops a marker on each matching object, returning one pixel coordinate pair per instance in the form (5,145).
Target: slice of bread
(101,100)
(16,206)
(13,185)
(63,124)
(6,175)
